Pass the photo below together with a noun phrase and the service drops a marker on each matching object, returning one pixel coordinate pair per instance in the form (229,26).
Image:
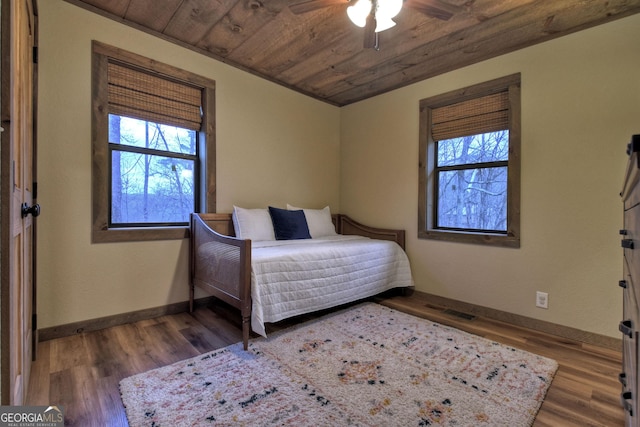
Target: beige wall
(580,105)
(274,146)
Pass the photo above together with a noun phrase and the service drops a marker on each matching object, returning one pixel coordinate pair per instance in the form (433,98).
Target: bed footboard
(221,265)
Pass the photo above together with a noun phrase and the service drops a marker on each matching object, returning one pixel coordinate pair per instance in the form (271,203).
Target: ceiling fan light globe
(383,23)
(359,12)
(388,9)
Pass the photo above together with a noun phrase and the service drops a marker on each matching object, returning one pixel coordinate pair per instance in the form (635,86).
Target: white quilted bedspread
(291,277)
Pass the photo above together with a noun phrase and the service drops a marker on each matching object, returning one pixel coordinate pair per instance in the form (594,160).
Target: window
(153,147)
(469,177)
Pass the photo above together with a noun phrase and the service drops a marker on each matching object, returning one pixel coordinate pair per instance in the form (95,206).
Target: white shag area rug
(365,366)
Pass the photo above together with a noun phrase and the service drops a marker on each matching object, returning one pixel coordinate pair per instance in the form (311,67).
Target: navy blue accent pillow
(289,225)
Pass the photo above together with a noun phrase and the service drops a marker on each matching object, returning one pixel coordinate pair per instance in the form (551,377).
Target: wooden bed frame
(230,281)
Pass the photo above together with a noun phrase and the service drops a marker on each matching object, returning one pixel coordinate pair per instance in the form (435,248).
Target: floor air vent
(459,314)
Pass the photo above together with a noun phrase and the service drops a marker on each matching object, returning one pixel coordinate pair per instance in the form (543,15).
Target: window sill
(106,235)
(509,240)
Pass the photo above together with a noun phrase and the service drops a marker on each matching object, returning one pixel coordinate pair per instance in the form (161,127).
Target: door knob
(33,210)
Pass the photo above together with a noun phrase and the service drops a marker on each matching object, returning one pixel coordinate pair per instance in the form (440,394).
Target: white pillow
(254,224)
(318,220)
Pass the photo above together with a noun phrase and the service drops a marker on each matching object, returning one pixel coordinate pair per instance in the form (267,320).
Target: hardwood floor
(82,372)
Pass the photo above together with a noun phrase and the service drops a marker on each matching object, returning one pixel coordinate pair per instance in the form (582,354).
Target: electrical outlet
(542,299)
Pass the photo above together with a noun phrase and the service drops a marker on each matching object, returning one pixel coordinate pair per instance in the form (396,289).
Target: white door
(18,208)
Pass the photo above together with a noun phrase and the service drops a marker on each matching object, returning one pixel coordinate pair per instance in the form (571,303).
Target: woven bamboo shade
(150,97)
(489,113)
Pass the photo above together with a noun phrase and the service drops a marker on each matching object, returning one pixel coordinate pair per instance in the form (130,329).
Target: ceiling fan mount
(376,15)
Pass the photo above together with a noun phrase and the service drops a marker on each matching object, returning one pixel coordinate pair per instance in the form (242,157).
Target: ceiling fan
(376,15)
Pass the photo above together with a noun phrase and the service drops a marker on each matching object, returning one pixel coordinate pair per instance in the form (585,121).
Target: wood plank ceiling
(320,52)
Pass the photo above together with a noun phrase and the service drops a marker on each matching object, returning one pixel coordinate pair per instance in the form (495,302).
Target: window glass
(487,147)
(139,133)
(151,189)
(154,183)
(473,198)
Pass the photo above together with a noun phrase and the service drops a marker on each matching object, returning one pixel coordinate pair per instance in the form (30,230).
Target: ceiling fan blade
(435,8)
(311,5)
(370,37)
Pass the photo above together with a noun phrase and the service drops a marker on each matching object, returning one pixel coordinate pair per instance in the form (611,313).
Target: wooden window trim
(426,196)
(101,169)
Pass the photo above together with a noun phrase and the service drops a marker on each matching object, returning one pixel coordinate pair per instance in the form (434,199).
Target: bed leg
(191,292)
(407,292)
(246,320)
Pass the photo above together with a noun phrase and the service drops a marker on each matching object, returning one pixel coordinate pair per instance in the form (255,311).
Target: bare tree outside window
(472,182)
(153,169)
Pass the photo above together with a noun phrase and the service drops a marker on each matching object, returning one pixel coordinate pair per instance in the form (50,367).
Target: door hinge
(627,243)
(35,54)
